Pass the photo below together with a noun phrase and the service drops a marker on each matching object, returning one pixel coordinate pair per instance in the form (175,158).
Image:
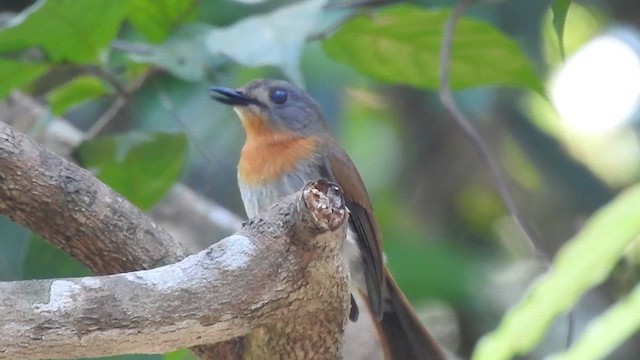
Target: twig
(117,106)
(449,103)
(108,77)
(107,117)
(358,4)
(132,48)
(168,105)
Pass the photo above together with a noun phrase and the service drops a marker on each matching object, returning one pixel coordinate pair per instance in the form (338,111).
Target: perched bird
(289,144)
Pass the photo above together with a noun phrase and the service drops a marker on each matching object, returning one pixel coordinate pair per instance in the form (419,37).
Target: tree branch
(105,221)
(73,210)
(182,212)
(189,217)
(120,102)
(283,271)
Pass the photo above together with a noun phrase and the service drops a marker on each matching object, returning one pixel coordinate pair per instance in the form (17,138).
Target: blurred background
(455,251)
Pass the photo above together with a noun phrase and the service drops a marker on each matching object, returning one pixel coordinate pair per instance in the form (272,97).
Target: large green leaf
(80,89)
(141,167)
(155,19)
(585,261)
(560,9)
(66,30)
(181,354)
(132,357)
(183,53)
(401,45)
(608,331)
(16,73)
(274,39)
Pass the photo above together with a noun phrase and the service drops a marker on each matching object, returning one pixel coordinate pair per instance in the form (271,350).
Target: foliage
(560,9)
(582,263)
(401,45)
(16,73)
(141,167)
(65,30)
(75,92)
(157,57)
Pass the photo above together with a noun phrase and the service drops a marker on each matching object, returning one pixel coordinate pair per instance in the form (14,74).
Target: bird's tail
(404,336)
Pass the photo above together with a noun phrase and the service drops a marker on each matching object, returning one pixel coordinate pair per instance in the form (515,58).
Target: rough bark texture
(23,112)
(69,207)
(190,218)
(282,274)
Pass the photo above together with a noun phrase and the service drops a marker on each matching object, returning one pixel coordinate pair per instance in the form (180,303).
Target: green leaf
(274,39)
(560,9)
(16,73)
(181,354)
(182,54)
(141,167)
(155,19)
(133,357)
(80,89)
(608,331)
(582,263)
(66,30)
(401,44)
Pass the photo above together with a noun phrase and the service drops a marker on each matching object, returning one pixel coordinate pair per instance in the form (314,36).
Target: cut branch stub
(325,201)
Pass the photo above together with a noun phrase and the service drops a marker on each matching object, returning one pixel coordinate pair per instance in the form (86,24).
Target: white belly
(258,198)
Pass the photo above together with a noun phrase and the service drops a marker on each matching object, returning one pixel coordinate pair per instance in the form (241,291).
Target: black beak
(230,96)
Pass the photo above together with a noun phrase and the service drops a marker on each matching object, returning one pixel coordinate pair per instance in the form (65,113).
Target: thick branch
(72,209)
(185,214)
(196,217)
(128,250)
(282,268)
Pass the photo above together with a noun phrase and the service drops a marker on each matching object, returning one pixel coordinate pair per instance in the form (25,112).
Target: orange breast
(268,154)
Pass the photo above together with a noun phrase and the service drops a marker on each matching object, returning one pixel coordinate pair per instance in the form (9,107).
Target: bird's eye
(278,96)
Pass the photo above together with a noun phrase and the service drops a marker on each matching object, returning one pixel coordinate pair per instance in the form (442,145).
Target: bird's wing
(363,223)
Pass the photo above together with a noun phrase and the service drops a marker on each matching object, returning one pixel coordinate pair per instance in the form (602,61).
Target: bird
(288,144)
